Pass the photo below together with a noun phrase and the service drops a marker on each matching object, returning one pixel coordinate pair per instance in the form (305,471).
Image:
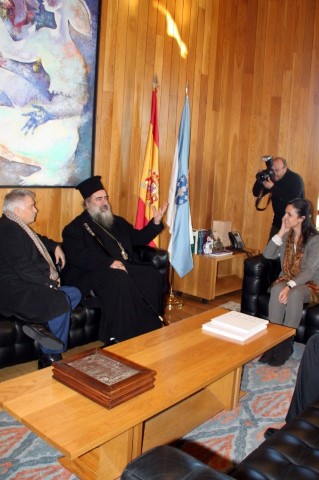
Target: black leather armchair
(16,347)
(291,453)
(259,273)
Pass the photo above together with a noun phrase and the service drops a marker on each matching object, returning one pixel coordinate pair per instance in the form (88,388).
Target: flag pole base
(173,302)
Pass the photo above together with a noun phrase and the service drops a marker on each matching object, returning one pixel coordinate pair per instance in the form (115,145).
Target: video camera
(268,173)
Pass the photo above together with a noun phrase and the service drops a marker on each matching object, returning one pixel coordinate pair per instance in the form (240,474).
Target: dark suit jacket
(25,286)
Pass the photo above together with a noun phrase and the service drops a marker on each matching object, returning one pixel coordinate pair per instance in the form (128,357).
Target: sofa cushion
(16,347)
(291,453)
(14,344)
(85,322)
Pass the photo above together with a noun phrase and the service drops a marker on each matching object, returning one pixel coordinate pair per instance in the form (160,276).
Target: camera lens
(264,175)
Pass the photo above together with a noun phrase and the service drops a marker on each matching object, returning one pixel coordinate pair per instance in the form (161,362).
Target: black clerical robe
(125,297)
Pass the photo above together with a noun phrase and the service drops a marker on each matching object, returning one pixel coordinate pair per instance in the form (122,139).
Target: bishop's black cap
(90,186)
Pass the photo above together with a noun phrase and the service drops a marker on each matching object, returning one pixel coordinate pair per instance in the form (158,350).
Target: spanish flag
(149,186)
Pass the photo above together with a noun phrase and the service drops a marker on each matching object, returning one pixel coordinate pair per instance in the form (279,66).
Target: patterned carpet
(229,437)
(226,438)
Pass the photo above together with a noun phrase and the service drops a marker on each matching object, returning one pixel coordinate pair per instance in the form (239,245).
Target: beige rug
(231,306)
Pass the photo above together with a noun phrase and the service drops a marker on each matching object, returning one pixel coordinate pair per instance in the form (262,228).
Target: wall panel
(253,75)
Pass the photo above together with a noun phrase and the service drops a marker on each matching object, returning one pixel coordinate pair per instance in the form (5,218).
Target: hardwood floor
(191,306)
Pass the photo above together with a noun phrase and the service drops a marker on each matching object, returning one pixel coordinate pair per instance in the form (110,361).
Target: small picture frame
(104,377)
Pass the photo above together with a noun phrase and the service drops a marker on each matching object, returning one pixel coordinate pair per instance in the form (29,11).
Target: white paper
(237,325)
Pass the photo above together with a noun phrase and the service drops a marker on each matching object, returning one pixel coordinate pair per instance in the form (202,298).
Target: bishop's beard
(104,218)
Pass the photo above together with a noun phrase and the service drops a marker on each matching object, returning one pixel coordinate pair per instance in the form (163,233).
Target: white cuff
(291,283)
(277,240)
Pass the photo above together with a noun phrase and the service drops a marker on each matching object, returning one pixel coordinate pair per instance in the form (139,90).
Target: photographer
(282,184)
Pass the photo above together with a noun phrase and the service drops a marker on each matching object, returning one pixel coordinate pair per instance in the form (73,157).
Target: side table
(213,276)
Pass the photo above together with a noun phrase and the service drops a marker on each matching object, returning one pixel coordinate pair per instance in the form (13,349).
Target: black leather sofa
(290,454)
(16,347)
(259,273)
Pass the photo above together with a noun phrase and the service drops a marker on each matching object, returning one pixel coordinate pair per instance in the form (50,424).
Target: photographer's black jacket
(290,186)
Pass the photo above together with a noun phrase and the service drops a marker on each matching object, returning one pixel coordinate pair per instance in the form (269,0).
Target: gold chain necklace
(123,252)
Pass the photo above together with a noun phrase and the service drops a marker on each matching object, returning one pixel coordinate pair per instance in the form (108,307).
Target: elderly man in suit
(29,280)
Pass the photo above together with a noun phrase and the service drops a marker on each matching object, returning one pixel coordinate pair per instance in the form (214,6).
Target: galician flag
(149,186)
(178,213)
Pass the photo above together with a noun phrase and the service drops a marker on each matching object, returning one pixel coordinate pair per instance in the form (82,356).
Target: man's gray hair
(15,198)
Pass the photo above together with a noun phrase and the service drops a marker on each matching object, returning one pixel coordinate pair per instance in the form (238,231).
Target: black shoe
(39,332)
(283,351)
(164,321)
(267,356)
(47,359)
(281,358)
(270,431)
(113,341)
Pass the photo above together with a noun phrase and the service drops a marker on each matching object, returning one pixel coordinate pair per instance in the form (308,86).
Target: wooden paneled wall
(253,75)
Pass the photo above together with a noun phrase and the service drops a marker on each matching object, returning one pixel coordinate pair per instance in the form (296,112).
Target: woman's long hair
(303,208)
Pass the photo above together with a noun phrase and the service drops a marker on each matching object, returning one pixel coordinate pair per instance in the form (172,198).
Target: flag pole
(172,301)
(155,82)
(178,213)
(150,179)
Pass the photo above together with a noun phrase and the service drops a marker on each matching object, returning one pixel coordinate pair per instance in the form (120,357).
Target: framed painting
(47,91)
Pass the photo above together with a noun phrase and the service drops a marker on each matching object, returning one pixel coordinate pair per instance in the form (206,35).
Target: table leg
(227,388)
(107,461)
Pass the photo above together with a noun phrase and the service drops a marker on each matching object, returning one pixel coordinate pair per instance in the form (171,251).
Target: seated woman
(297,243)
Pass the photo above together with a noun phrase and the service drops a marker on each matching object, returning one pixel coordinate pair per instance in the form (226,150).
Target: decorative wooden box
(104,377)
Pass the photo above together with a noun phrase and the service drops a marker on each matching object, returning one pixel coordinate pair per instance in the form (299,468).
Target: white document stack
(236,325)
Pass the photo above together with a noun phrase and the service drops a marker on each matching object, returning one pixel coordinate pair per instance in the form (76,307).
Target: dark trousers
(307,383)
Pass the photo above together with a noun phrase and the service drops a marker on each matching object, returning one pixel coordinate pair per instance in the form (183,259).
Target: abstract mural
(48,55)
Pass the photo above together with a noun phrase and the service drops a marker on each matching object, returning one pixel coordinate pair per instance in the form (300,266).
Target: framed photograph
(104,377)
(47,91)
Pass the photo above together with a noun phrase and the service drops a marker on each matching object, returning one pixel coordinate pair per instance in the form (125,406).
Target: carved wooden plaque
(104,377)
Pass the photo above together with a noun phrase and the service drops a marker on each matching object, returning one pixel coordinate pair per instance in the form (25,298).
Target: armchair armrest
(157,256)
(259,273)
(166,462)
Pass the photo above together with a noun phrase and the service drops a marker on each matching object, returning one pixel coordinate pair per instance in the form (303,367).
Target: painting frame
(48,90)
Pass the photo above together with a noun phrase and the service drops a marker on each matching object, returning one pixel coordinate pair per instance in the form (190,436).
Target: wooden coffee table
(198,375)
